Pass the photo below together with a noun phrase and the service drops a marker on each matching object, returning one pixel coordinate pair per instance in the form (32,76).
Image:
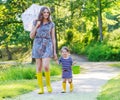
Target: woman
(44,46)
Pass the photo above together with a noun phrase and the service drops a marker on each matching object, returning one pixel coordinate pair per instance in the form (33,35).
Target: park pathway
(87,85)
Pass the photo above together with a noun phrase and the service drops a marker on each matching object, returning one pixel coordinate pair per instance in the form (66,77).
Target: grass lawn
(20,79)
(111,90)
(13,88)
(115,65)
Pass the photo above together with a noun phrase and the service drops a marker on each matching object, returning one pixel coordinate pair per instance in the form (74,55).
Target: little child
(66,62)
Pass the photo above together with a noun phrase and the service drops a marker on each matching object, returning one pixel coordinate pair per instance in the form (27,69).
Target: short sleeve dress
(66,67)
(42,44)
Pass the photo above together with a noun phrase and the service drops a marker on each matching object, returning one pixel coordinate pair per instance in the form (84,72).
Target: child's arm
(57,61)
(74,62)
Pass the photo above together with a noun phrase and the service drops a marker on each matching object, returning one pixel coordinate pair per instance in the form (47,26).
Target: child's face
(65,53)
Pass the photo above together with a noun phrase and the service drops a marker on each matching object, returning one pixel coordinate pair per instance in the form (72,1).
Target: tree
(100,19)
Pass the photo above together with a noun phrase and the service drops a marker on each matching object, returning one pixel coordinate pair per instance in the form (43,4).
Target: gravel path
(86,85)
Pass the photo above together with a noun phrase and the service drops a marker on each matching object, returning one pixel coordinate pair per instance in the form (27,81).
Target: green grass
(111,90)
(20,79)
(115,65)
(13,88)
(17,72)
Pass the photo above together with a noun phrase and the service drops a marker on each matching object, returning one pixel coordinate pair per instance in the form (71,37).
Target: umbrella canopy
(30,15)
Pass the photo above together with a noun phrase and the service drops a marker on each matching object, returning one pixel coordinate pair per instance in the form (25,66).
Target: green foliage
(76,23)
(111,90)
(19,53)
(17,73)
(69,36)
(109,49)
(76,48)
(55,70)
(103,52)
(98,52)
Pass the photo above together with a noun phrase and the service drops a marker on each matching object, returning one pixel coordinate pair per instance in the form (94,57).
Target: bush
(98,53)
(55,70)
(17,73)
(102,52)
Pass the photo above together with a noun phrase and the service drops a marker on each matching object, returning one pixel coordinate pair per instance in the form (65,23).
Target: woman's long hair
(40,17)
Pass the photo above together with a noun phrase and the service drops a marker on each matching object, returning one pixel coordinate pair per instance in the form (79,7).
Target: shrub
(55,70)
(17,73)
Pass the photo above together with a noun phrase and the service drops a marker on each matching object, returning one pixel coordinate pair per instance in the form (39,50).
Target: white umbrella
(30,15)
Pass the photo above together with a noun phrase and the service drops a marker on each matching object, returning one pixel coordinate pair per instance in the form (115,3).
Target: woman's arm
(34,29)
(54,43)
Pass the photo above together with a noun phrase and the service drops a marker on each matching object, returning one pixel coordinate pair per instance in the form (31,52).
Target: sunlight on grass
(13,88)
(111,90)
(19,79)
(115,65)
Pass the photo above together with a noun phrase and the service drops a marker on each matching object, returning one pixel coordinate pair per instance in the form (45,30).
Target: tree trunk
(100,19)
(52,11)
(8,53)
(0,54)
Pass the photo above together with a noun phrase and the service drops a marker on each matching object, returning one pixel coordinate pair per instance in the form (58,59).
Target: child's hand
(56,61)
(74,63)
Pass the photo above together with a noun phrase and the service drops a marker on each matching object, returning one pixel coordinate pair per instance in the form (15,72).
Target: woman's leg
(71,84)
(38,65)
(39,75)
(64,86)
(46,62)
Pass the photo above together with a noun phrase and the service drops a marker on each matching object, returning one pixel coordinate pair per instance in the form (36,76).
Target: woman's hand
(38,24)
(55,56)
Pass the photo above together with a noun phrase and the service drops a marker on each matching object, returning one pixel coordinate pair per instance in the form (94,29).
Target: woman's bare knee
(46,64)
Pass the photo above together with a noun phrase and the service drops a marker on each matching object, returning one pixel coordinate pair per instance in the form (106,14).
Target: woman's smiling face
(46,14)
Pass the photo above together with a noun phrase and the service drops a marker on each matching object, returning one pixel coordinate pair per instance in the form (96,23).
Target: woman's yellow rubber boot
(47,76)
(40,83)
(64,87)
(71,87)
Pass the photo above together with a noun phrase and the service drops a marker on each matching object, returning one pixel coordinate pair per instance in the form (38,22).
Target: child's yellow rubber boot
(40,83)
(47,76)
(71,87)
(64,87)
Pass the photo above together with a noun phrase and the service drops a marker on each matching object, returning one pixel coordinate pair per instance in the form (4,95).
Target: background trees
(80,24)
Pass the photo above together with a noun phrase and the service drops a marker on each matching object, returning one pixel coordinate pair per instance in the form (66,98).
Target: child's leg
(64,86)
(71,84)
